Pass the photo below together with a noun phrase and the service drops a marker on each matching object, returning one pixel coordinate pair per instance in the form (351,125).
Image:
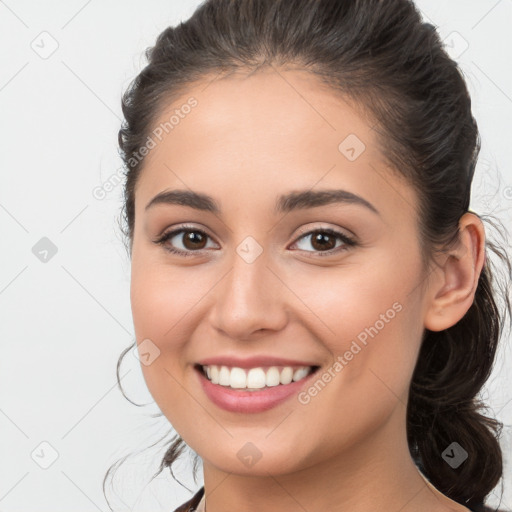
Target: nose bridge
(248,298)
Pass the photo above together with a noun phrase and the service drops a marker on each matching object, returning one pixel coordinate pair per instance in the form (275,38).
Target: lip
(251,401)
(253,362)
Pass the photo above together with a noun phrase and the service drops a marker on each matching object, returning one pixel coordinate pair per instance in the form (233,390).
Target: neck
(377,474)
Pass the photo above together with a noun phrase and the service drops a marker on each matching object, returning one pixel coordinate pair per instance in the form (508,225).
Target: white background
(65,322)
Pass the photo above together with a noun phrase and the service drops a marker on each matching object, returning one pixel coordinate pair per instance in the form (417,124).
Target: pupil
(321,238)
(194,238)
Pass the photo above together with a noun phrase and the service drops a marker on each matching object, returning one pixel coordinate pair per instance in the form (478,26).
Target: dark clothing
(192,503)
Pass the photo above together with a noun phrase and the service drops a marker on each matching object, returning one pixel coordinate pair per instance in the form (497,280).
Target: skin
(250,139)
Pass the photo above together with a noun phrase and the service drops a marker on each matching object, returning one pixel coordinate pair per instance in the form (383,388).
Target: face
(333,284)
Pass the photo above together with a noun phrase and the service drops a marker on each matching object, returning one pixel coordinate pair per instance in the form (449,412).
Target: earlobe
(454,283)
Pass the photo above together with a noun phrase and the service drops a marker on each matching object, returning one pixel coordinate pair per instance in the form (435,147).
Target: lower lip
(250,401)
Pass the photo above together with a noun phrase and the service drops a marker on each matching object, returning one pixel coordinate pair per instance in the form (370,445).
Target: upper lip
(252,362)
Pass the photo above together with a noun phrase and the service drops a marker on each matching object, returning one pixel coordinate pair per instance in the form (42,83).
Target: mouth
(254,379)
(252,390)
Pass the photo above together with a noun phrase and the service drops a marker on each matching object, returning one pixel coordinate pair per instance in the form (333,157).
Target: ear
(454,283)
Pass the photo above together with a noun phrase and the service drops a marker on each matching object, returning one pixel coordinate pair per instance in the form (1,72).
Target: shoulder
(192,503)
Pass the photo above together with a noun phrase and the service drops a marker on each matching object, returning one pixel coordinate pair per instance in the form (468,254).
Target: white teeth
(273,376)
(214,374)
(237,378)
(300,374)
(255,378)
(224,376)
(286,375)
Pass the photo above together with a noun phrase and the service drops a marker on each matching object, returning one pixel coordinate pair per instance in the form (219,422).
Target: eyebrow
(295,200)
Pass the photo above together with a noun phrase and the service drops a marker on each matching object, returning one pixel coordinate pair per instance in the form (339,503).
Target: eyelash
(347,241)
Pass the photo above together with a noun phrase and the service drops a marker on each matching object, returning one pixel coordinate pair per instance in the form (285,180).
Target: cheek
(370,321)
(161,298)
(374,348)
(353,296)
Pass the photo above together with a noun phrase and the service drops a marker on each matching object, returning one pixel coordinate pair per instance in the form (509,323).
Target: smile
(255,378)
(253,390)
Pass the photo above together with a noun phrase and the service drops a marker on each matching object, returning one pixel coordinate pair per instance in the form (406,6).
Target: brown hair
(383,55)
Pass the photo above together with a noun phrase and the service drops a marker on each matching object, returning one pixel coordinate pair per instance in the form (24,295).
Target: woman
(310,292)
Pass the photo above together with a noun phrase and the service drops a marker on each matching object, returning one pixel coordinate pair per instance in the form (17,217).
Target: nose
(250,299)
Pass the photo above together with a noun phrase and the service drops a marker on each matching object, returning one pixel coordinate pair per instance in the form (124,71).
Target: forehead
(269,107)
(248,136)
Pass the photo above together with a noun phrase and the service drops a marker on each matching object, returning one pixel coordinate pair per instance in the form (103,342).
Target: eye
(191,240)
(324,241)
(195,240)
